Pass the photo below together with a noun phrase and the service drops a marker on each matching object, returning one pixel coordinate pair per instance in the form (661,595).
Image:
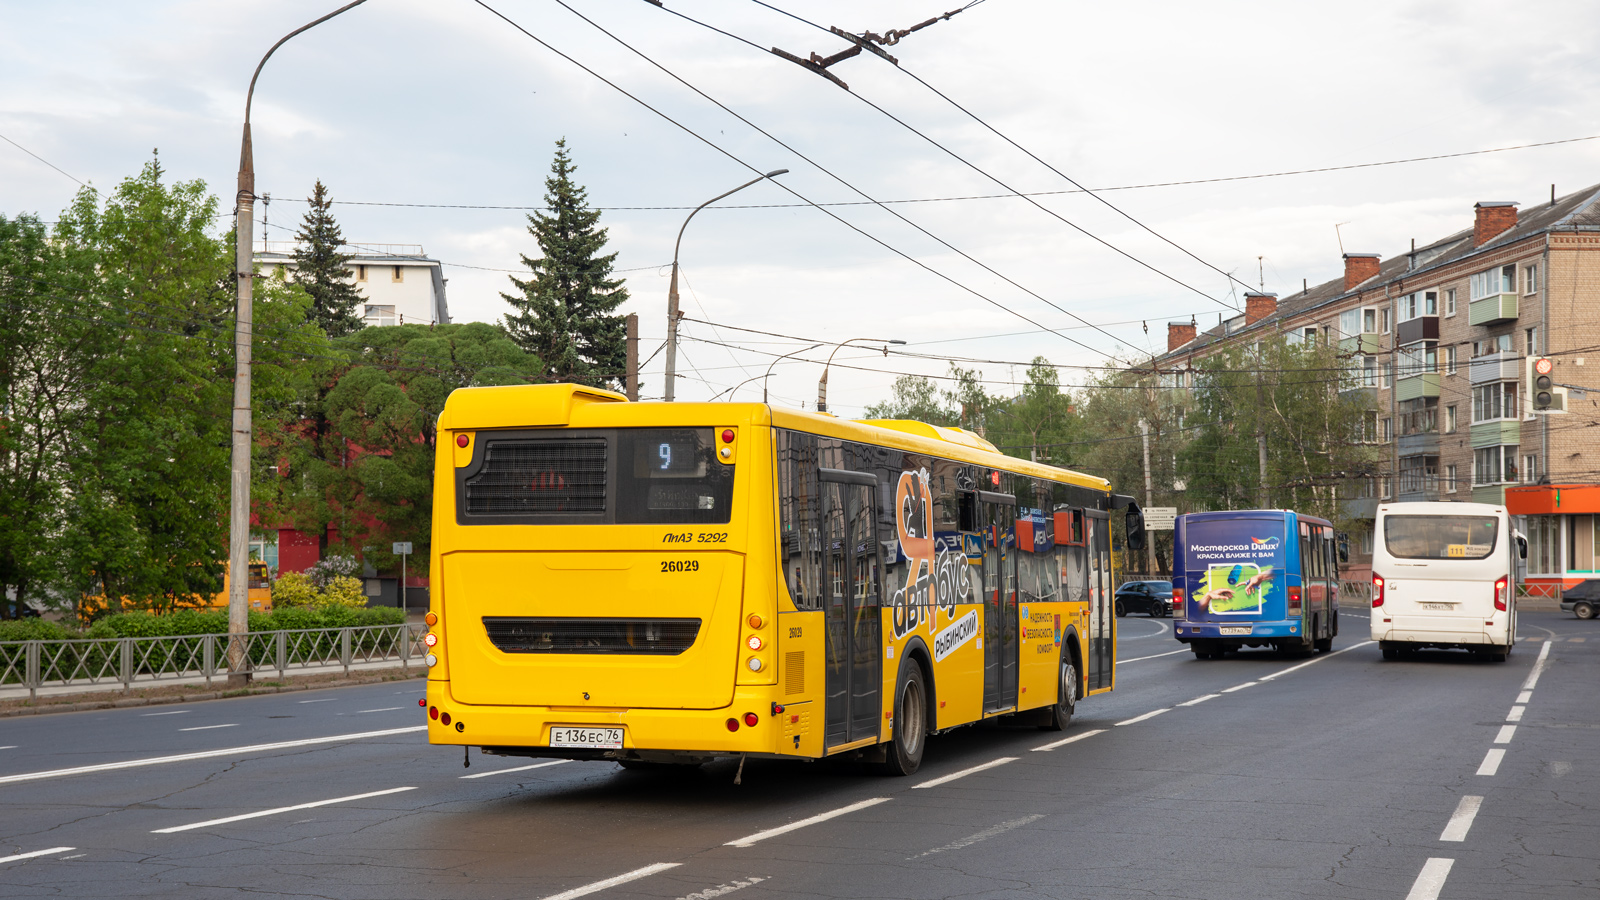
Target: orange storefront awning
(1553,499)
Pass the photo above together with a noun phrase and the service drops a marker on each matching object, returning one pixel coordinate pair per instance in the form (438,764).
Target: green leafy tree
(914,397)
(1039,423)
(564,312)
(323,271)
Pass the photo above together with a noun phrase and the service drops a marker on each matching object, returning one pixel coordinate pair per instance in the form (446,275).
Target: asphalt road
(1257,776)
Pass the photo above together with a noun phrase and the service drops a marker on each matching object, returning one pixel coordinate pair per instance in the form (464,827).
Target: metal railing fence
(149,661)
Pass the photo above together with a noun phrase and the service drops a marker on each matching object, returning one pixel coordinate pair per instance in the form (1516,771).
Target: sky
(422,116)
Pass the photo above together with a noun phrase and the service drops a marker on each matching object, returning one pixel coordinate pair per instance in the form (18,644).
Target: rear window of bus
(1440,537)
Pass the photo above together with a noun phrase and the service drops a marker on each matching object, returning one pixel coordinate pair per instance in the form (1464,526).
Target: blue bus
(1254,578)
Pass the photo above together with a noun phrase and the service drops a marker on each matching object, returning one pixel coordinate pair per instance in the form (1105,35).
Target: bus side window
(968,511)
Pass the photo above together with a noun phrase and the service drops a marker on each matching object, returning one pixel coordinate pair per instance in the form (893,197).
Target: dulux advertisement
(1235,566)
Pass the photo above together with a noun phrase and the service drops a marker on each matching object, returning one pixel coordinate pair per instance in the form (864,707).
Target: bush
(294,589)
(35,630)
(344,592)
(334,566)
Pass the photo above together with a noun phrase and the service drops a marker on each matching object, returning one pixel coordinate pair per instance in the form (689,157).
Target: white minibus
(1445,575)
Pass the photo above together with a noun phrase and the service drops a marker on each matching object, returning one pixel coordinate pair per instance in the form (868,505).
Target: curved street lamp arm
(250,95)
(679,242)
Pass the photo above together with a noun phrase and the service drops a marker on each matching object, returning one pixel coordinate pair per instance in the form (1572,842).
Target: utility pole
(239,496)
(632,378)
(1149,500)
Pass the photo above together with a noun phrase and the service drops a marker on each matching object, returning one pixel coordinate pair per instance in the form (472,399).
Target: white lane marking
(624,878)
(946,779)
(172,712)
(793,826)
(209,727)
(1525,697)
(553,762)
(983,835)
(323,700)
(721,889)
(1240,687)
(1431,879)
(9,747)
(1538,668)
(279,810)
(1461,821)
(1317,660)
(1199,700)
(6,859)
(384,709)
(207,754)
(413,691)
(1065,741)
(73,856)
(1491,761)
(1149,715)
(1157,656)
(1506,731)
(1516,713)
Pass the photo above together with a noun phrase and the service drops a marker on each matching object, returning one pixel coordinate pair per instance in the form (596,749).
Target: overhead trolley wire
(879,241)
(951,153)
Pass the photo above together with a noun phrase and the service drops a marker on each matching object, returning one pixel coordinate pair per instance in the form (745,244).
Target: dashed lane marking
(1313,662)
(208,754)
(322,700)
(1461,821)
(1065,741)
(722,889)
(210,727)
(983,835)
(1199,700)
(1516,713)
(170,712)
(1240,687)
(794,826)
(1149,715)
(9,747)
(21,856)
(624,878)
(1538,668)
(1157,656)
(1431,879)
(1505,735)
(1491,761)
(1525,697)
(946,779)
(383,709)
(279,810)
(553,762)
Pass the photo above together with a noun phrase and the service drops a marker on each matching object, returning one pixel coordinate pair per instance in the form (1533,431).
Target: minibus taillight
(1177,602)
(1294,601)
(1377,590)
(1500,586)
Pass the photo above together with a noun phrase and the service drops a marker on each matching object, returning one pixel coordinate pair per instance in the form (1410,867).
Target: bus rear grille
(794,673)
(651,637)
(550,475)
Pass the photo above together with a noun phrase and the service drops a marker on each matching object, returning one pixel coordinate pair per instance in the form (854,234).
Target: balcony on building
(1358,331)
(1501,366)
(1493,296)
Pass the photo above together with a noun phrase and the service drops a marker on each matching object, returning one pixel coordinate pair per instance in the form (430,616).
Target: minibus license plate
(600,738)
(1234,629)
(1444,606)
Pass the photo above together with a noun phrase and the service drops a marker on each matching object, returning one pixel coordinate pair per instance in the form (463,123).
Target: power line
(879,241)
(41,159)
(959,158)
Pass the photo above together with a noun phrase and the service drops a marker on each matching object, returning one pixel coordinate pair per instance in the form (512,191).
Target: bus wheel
(910,722)
(1390,651)
(1324,644)
(1583,610)
(1498,653)
(1066,698)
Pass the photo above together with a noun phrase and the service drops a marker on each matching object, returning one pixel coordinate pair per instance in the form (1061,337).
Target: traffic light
(1543,394)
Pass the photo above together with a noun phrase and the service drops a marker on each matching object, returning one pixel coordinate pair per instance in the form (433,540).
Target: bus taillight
(1177,602)
(1500,586)
(1294,601)
(1377,590)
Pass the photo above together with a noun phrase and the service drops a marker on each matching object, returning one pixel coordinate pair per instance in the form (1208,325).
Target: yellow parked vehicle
(672,583)
(260,597)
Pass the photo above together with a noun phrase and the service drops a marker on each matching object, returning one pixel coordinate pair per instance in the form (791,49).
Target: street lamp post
(239,499)
(672,290)
(776,361)
(822,383)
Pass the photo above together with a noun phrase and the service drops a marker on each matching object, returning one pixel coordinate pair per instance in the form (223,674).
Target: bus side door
(851,584)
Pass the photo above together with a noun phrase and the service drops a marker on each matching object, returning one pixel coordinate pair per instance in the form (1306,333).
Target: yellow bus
(660,583)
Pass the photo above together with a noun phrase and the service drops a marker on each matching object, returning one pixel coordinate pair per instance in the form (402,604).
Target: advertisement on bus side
(1236,567)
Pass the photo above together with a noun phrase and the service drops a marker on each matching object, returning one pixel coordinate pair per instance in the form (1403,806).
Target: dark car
(1153,598)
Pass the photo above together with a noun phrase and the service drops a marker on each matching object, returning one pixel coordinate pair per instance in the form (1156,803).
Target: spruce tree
(323,271)
(563,313)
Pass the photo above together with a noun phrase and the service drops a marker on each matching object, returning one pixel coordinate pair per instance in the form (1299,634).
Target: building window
(380,315)
(1497,343)
(1310,336)
(1530,280)
(1384,318)
(1497,400)
(1450,360)
(1494,465)
(1532,341)
(1386,429)
(1415,359)
(1450,302)
(1419,416)
(1369,426)
(1418,474)
(1421,303)
(1388,375)
(1369,371)
(361,273)
(1530,468)
(1450,419)
(1502,280)
(399,274)
(1450,477)
(1366,543)
(1544,545)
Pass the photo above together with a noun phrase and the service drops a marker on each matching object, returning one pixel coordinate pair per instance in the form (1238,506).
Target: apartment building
(399,283)
(1441,337)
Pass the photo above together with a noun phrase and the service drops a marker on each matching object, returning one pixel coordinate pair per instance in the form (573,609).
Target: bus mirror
(1522,547)
(1135,526)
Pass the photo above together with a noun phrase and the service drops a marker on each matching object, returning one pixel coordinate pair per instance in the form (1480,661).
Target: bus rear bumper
(646,733)
(1191,631)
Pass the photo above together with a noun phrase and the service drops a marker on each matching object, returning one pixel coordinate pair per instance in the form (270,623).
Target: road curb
(126,702)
